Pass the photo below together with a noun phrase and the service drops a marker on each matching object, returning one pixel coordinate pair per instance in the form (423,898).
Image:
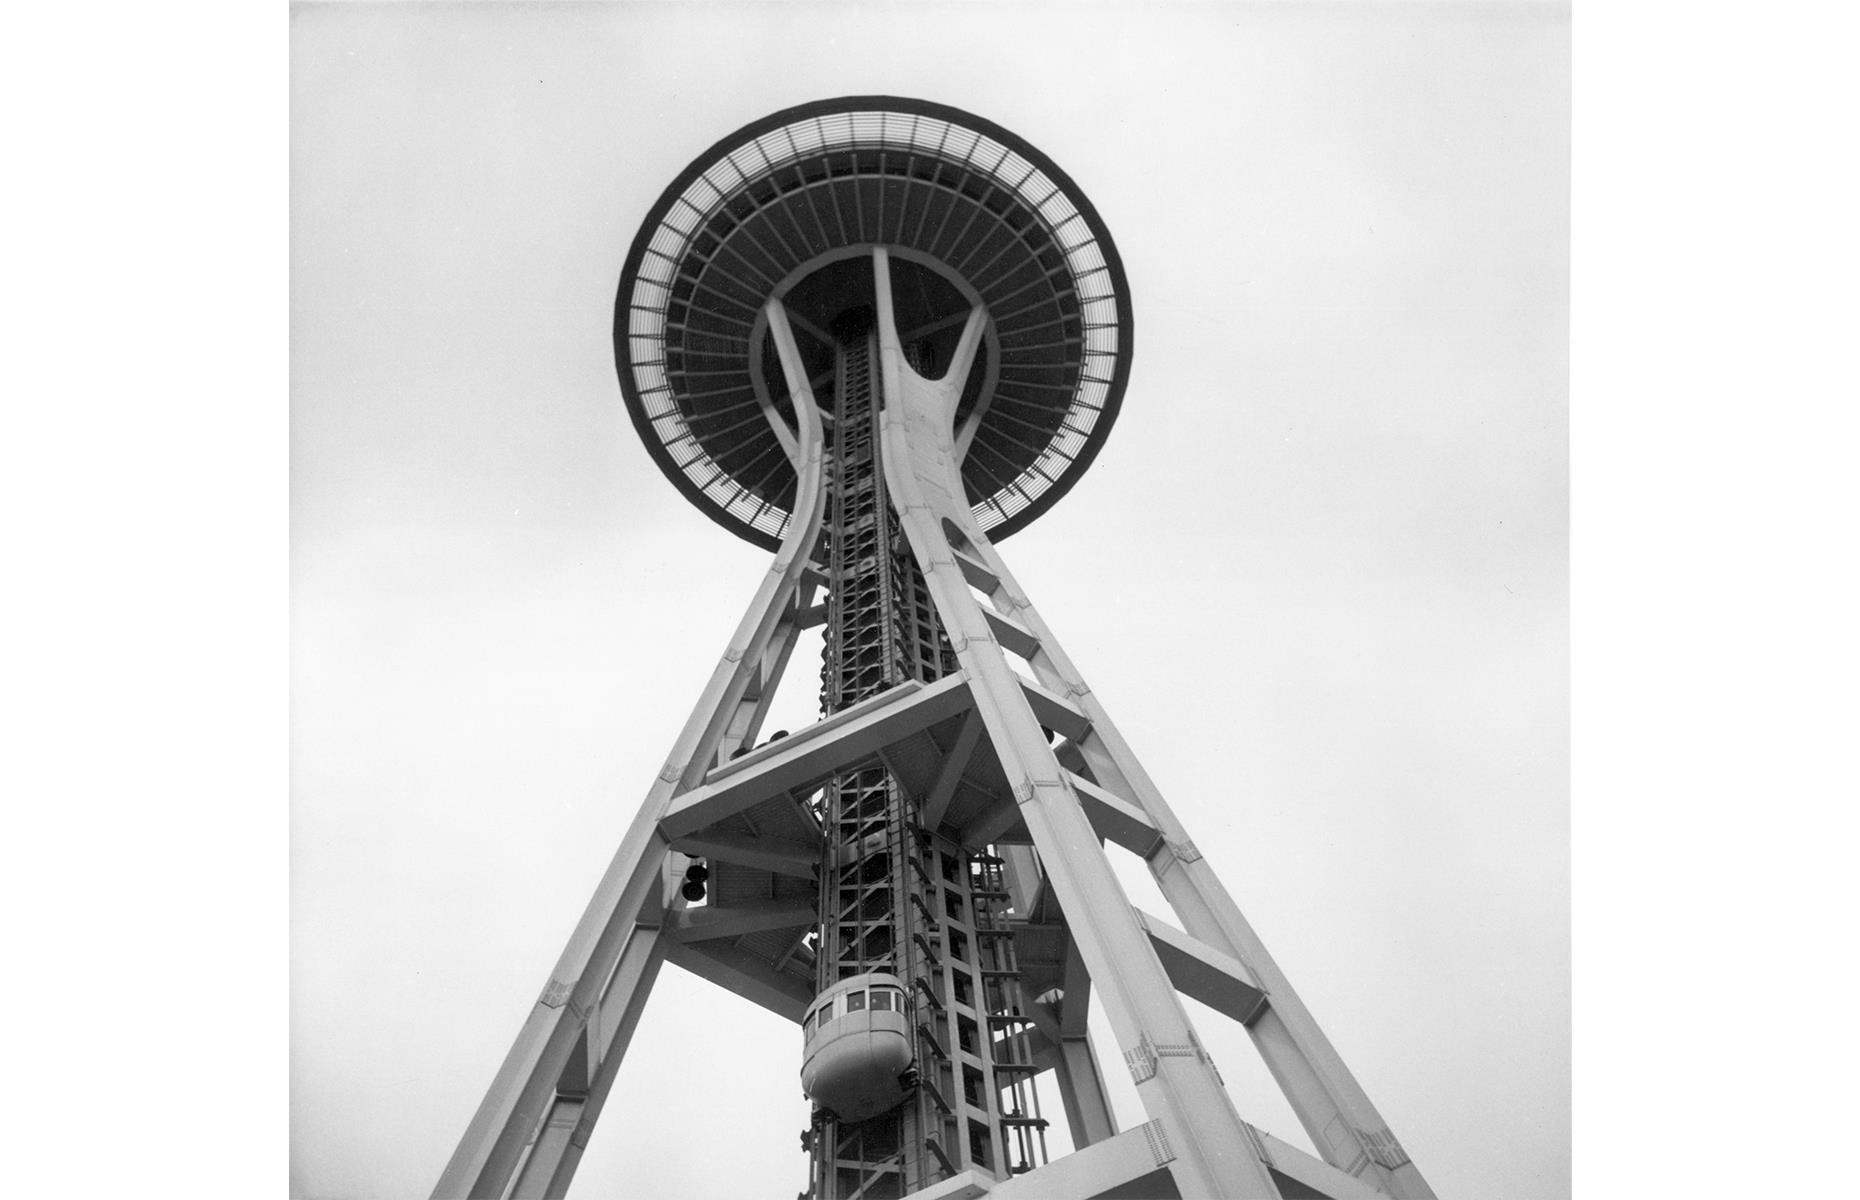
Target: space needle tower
(875,337)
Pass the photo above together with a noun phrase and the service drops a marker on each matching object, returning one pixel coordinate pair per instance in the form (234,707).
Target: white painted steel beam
(974,573)
(746,975)
(552,1143)
(992,823)
(1054,711)
(936,803)
(1011,633)
(968,1185)
(790,355)
(759,690)
(1211,1152)
(528,1135)
(1330,1104)
(1203,973)
(709,924)
(1104,1167)
(552,1161)
(1021,873)
(1120,1165)
(1089,1116)
(521,1095)
(1075,1011)
(1313,1173)
(930,497)
(1082,1093)
(1116,820)
(810,755)
(800,860)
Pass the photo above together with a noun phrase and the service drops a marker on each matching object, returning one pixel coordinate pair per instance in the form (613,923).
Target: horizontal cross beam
(810,756)
(1201,972)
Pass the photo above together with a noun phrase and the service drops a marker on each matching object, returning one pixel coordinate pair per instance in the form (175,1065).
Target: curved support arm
(1333,1107)
(800,390)
(1181,1088)
(937,397)
(1342,1121)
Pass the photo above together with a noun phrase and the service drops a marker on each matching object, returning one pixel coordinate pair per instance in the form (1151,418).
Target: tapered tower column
(1182,1092)
(876,337)
(542,1106)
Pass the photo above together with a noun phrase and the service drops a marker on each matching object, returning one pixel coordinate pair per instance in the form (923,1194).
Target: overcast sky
(1317,574)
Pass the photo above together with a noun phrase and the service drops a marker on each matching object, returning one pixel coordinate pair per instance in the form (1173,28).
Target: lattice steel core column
(876,336)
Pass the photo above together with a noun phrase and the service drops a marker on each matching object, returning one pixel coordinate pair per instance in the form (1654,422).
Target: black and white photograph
(854,568)
(966,599)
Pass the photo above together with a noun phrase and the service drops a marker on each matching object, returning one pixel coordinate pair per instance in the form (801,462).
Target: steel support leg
(1333,1108)
(1081,1086)
(540,1064)
(1081,1092)
(557,1153)
(528,1135)
(1214,1156)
